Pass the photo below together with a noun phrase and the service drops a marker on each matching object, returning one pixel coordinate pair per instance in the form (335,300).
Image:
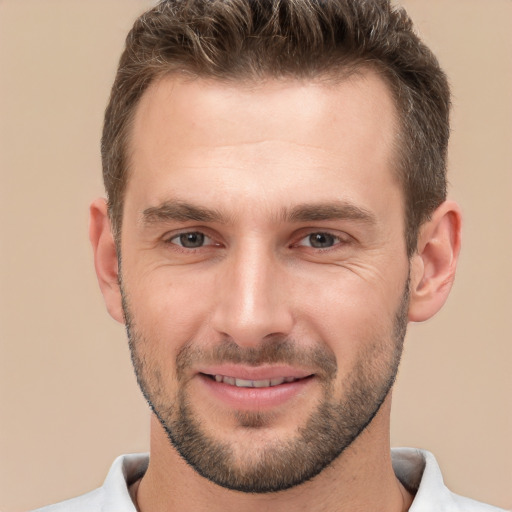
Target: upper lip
(255,372)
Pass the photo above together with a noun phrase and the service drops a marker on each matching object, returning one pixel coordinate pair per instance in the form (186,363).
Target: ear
(433,265)
(105,258)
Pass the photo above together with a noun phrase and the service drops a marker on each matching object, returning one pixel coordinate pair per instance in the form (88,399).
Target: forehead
(274,132)
(191,107)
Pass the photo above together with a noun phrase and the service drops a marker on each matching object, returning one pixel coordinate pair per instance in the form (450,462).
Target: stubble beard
(275,466)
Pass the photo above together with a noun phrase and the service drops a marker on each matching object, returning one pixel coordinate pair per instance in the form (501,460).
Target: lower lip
(255,399)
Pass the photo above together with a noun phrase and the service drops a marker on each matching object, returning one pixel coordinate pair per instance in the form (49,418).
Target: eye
(191,240)
(320,240)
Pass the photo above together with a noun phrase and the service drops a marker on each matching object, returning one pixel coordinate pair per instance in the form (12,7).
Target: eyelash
(337,240)
(178,236)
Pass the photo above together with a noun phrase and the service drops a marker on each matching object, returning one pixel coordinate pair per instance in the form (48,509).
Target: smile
(257,389)
(244,383)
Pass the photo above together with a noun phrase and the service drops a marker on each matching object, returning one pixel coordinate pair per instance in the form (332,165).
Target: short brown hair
(257,39)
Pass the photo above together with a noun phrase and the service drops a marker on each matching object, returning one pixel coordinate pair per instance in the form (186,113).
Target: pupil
(321,240)
(191,240)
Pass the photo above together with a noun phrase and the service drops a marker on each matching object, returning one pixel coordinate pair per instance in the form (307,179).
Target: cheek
(349,313)
(171,307)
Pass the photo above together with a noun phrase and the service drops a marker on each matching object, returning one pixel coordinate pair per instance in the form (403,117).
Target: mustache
(276,350)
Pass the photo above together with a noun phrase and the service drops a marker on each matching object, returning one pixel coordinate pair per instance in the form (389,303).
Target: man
(276,214)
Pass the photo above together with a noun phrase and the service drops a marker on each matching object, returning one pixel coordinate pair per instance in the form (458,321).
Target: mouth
(256,388)
(259,383)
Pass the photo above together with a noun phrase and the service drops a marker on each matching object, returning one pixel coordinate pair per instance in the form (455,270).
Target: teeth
(244,383)
(241,383)
(260,383)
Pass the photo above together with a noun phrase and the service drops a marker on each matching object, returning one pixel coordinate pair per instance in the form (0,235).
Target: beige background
(68,401)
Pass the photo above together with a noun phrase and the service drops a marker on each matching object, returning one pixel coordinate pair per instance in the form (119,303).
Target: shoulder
(90,502)
(419,472)
(113,495)
(468,505)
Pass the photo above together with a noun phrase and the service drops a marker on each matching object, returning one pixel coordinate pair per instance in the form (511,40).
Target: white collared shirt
(416,469)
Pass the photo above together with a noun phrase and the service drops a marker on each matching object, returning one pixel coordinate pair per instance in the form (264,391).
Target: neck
(361,478)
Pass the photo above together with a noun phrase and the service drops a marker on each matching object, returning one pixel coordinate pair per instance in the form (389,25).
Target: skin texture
(280,462)
(259,170)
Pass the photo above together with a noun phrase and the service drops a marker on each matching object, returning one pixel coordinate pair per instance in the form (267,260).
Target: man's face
(264,270)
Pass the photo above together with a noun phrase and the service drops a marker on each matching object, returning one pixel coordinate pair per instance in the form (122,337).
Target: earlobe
(434,264)
(105,258)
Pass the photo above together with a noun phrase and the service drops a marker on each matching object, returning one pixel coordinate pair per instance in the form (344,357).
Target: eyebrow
(339,210)
(182,211)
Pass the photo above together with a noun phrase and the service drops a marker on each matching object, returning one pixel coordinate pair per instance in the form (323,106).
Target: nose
(252,302)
